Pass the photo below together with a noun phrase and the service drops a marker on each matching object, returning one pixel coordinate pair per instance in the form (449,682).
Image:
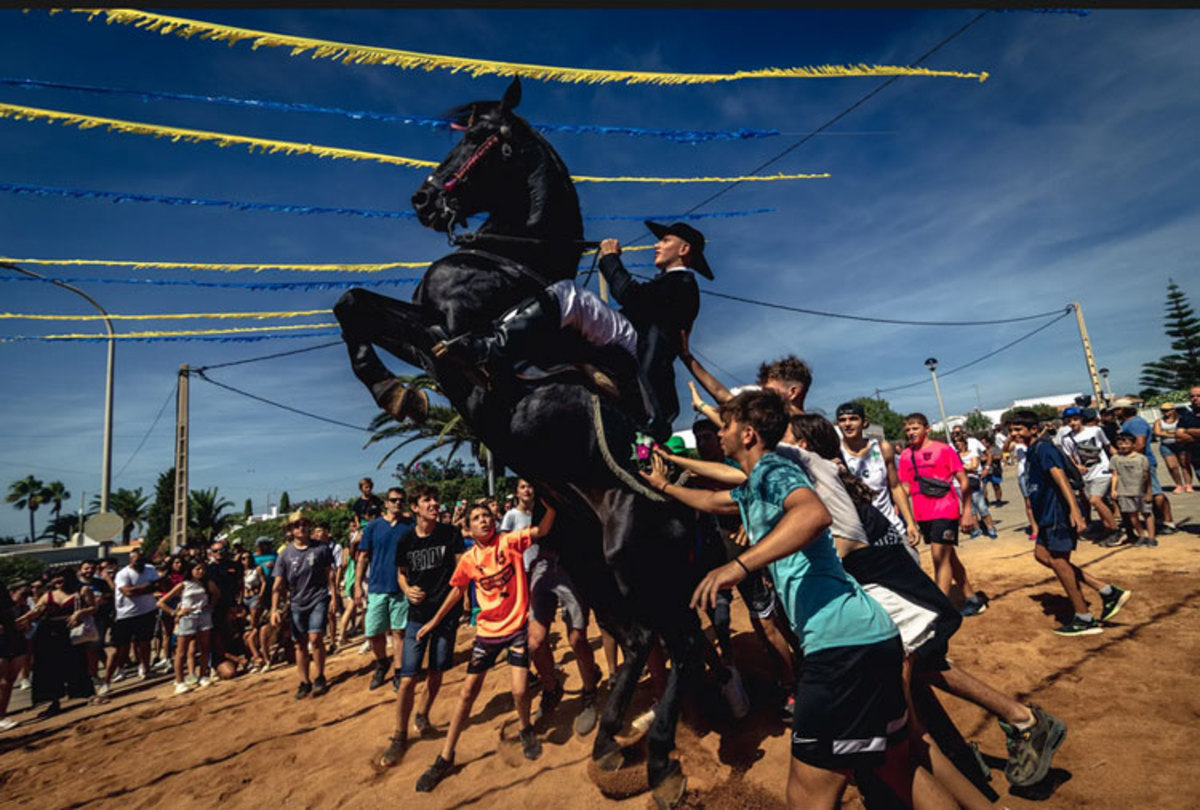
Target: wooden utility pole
(179,514)
(1093,373)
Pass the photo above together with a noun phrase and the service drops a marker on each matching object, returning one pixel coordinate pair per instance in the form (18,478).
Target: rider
(640,341)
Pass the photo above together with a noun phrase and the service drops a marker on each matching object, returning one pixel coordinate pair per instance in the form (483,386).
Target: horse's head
(483,170)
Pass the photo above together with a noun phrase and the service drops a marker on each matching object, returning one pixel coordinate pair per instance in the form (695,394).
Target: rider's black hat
(690,235)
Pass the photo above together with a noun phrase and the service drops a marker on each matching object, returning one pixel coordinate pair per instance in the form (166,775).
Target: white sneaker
(365,648)
(162,665)
(182,688)
(24,683)
(191,680)
(103,688)
(205,681)
(117,677)
(142,675)
(7,723)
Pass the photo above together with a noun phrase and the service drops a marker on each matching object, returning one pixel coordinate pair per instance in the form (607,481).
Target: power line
(170,391)
(992,353)
(823,314)
(201,369)
(199,373)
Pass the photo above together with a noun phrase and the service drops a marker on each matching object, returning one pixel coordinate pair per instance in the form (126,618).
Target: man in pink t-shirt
(927,469)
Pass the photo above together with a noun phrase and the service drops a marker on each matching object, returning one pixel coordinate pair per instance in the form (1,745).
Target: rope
(622,474)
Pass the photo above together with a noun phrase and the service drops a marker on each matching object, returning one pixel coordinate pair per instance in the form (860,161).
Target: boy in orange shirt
(496,567)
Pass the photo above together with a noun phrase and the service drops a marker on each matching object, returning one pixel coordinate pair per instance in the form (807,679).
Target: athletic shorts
(439,642)
(486,650)
(307,621)
(994,478)
(135,628)
(1058,537)
(759,598)
(1132,504)
(551,586)
(385,611)
(942,532)
(189,624)
(1098,487)
(925,616)
(850,706)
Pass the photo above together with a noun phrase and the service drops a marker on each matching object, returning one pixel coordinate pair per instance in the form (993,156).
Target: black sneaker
(420,723)
(320,686)
(585,721)
(1080,627)
(394,752)
(974,606)
(1114,539)
(379,677)
(303,690)
(1112,604)
(438,771)
(550,700)
(1031,751)
(395,681)
(531,746)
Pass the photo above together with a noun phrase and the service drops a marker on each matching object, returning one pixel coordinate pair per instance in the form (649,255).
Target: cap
(1123,402)
(855,408)
(1072,411)
(693,237)
(676,444)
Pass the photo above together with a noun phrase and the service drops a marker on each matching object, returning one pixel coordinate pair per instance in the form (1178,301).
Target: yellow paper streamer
(238,330)
(234,268)
(412,60)
(223,139)
(262,316)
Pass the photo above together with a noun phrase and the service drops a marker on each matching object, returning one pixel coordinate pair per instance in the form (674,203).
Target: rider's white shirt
(586,313)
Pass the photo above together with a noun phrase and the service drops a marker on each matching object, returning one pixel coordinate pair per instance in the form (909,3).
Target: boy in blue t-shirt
(851,715)
(1059,524)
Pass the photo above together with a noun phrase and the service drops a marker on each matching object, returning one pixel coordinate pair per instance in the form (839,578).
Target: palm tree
(28,493)
(130,506)
(206,514)
(56,493)
(444,427)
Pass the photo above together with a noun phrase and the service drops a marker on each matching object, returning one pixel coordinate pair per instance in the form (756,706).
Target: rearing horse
(622,544)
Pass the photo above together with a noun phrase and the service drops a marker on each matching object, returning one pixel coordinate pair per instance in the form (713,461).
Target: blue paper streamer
(1078,12)
(238,285)
(178,339)
(128,196)
(686,136)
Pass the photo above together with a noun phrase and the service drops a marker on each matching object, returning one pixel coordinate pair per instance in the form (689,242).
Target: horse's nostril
(421,198)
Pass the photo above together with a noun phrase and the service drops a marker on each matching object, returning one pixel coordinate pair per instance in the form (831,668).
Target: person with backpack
(1059,523)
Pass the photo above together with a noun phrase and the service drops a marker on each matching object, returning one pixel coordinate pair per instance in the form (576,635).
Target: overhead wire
(201,375)
(142,443)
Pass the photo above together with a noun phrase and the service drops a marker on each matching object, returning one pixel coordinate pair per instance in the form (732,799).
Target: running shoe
(7,723)
(1080,627)
(365,647)
(1112,604)
(162,665)
(420,723)
(182,688)
(103,689)
(585,721)
(975,533)
(1145,542)
(303,690)
(24,684)
(142,674)
(380,676)
(394,752)
(974,606)
(991,533)
(192,680)
(531,746)
(1031,751)
(1168,527)
(1114,539)
(320,686)
(438,771)
(205,681)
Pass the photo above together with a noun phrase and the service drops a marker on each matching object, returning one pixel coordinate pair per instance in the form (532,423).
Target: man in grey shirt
(305,572)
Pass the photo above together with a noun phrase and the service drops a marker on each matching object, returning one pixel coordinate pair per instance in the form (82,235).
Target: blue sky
(1069,175)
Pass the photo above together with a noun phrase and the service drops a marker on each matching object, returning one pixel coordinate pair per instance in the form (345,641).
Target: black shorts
(135,628)
(944,532)
(486,650)
(1058,538)
(850,706)
(12,645)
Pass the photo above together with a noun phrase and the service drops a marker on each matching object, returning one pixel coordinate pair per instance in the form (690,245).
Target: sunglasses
(395,500)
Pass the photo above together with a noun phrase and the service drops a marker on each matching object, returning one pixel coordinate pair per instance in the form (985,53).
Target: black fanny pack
(929,487)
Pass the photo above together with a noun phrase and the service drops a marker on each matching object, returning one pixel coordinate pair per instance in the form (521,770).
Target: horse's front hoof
(669,792)
(401,402)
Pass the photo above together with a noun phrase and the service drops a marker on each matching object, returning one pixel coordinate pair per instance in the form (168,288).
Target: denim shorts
(310,620)
(189,624)
(440,643)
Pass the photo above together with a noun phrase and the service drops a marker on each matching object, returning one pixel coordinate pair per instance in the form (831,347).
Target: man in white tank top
(874,461)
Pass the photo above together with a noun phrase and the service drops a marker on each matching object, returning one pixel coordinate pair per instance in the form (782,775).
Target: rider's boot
(400,401)
(519,334)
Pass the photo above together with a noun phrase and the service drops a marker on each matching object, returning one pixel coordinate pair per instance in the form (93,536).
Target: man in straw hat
(639,343)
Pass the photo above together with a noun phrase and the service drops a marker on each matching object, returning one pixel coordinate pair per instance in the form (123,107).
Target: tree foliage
(977,423)
(1045,412)
(285,503)
(453,479)
(130,506)
(879,412)
(1181,368)
(158,516)
(207,517)
(20,566)
(28,493)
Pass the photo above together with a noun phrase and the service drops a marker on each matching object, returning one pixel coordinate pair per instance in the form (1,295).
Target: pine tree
(249,508)
(1181,369)
(158,516)
(285,503)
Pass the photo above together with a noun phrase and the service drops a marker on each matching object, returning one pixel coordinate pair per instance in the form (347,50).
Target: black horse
(624,545)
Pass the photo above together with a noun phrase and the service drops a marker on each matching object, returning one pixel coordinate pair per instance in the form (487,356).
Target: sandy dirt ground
(1130,698)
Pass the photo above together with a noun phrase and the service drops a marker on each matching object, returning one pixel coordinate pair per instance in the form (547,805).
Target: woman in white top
(1174,454)
(973,466)
(193,625)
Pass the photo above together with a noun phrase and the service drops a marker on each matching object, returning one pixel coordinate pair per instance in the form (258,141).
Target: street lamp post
(931,364)
(106,468)
(1107,385)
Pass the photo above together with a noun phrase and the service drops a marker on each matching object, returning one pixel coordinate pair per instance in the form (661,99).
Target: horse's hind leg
(368,320)
(663,773)
(636,643)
